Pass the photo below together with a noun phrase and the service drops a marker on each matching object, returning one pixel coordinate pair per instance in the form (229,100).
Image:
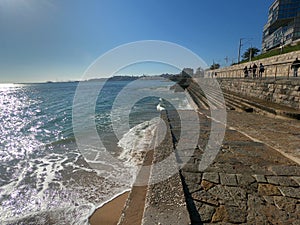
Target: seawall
(276,66)
(285,92)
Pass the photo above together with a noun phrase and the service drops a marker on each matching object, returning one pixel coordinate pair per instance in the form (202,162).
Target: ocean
(46,175)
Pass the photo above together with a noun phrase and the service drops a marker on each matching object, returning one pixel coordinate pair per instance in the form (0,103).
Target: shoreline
(126,208)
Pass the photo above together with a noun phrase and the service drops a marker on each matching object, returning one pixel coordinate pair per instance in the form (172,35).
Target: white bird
(160,108)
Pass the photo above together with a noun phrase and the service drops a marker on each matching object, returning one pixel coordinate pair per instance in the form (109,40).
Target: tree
(250,51)
(214,66)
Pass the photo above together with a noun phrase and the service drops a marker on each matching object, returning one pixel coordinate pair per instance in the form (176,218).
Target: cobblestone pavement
(249,182)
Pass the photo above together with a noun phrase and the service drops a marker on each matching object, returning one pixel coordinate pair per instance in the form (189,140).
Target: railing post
(275,72)
(288,75)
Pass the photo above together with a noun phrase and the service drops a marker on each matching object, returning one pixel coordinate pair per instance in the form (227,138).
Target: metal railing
(274,70)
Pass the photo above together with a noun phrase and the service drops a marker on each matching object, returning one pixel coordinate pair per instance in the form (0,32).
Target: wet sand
(109,213)
(131,204)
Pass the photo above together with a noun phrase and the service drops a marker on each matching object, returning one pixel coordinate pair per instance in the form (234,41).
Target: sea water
(44,176)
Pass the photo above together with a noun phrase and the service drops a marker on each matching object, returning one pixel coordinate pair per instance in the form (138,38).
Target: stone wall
(284,92)
(274,66)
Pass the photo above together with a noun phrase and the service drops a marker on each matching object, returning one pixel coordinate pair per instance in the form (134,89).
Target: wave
(137,141)
(69,215)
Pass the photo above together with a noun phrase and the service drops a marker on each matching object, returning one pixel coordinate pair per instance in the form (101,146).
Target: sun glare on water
(6,86)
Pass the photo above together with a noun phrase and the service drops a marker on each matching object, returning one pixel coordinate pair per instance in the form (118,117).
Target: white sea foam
(137,141)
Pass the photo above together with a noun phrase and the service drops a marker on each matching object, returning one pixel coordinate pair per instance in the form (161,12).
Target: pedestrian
(246,71)
(250,70)
(261,70)
(295,65)
(254,70)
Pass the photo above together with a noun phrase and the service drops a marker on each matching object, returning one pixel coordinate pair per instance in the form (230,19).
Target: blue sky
(57,40)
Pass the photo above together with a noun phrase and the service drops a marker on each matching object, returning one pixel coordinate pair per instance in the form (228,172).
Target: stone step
(261,106)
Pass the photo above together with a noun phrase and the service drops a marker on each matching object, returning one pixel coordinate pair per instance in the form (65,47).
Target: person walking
(246,71)
(261,70)
(295,65)
(254,70)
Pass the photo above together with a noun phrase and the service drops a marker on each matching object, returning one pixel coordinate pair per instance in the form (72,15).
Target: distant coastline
(114,78)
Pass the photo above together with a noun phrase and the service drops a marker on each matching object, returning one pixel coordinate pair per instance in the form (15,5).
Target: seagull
(159,106)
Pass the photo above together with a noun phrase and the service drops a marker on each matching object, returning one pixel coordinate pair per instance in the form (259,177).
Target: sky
(57,40)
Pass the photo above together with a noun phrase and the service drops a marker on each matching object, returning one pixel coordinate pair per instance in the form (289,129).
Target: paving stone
(285,170)
(204,197)
(238,195)
(236,215)
(290,192)
(255,214)
(223,195)
(244,179)
(252,188)
(297,179)
(260,178)
(211,177)
(268,189)
(276,216)
(285,203)
(206,185)
(229,214)
(282,181)
(269,199)
(228,179)
(219,215)
(206,212)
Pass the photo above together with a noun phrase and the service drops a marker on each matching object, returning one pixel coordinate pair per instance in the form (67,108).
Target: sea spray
(137,141)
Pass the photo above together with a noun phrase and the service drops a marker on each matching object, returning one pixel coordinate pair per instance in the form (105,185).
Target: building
(283,26)
(187,71)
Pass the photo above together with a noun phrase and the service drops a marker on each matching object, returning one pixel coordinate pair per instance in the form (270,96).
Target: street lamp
(240,46)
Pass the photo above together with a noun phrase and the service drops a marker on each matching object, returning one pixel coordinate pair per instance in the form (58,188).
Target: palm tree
(250,53)
(214,66)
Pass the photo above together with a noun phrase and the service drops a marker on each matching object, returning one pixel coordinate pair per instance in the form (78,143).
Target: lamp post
(240,46)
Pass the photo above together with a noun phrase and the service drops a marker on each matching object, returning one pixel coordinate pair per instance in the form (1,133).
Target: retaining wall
(284,92)
(275,66)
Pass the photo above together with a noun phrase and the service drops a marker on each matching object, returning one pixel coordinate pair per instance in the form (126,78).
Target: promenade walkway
(249,182)
(254,179)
